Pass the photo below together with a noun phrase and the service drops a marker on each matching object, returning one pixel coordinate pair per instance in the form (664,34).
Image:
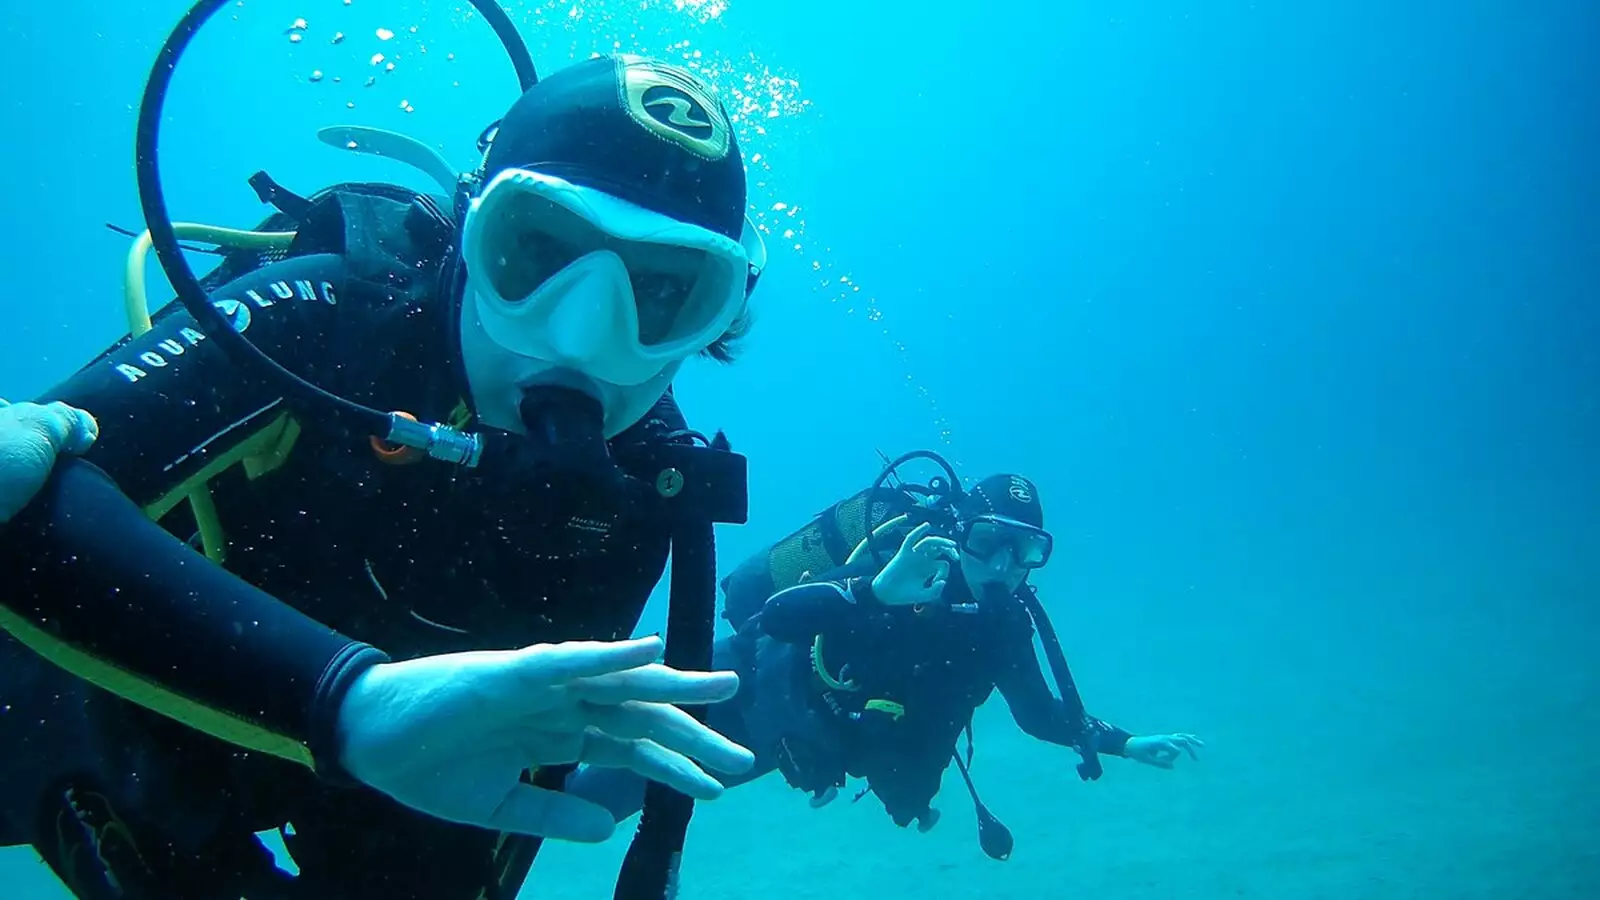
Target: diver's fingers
(82,429)
(891,525)
(546,665)
(653,761)
(68,429)
(672,729)
(915,537)
(655,683)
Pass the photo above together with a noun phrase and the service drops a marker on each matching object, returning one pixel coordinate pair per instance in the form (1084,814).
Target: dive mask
(986,536)
(576,278)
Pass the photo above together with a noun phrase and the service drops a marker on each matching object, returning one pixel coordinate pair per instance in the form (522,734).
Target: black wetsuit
(331,553)
(936,664)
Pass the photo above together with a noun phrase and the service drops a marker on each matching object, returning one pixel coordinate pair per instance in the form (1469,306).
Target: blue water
(1289,310)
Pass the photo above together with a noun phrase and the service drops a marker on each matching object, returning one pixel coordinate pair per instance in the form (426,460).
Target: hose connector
(438,441)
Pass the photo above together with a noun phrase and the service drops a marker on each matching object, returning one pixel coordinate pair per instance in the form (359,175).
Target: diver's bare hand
(451,735)
(32,435)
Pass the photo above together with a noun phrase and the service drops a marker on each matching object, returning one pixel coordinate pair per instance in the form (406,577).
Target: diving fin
(395,146)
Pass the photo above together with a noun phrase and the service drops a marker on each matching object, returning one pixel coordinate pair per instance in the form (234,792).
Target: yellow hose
(137,305)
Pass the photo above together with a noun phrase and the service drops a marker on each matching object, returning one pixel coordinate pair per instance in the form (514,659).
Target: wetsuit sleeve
(93,584)
(797,615)
(1037,711)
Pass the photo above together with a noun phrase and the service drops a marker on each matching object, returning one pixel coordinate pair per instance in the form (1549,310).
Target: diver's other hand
(451,735)
(1162,750)
(919,570)
(31,436)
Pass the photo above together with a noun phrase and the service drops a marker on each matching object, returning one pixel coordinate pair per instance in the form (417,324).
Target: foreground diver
(875,670)
(383,637)
(32,435)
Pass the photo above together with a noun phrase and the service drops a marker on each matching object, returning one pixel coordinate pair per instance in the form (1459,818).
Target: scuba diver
(874,668)
(260,602)
(32,435)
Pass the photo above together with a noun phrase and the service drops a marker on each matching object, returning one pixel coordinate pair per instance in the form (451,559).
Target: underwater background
(1289,309)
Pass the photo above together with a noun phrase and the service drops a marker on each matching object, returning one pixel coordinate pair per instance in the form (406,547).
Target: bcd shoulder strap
(386,233)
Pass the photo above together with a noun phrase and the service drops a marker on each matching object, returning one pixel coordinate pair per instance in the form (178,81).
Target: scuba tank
(830,539)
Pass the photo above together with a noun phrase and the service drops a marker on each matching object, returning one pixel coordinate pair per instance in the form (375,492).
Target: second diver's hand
(451,735)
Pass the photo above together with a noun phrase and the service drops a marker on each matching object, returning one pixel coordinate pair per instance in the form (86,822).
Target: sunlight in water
(760,97)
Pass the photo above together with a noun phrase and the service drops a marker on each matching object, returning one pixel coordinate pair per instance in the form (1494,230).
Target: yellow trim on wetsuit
(262,452)
(896,710)
(137,305)
(152,696)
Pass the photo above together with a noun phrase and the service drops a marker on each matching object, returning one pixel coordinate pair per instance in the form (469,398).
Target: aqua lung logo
(236,312)
(675,106)
(239,311)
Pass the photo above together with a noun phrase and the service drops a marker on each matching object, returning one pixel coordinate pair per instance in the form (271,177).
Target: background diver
(874,670)
(376,651)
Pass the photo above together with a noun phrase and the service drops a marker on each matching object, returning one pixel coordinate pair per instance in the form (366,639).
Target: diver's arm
(799,614)
(97,588)
(95,585)
(1038,712)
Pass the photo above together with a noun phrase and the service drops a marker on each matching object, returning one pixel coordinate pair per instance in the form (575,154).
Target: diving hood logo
(1021,490)
(675,106)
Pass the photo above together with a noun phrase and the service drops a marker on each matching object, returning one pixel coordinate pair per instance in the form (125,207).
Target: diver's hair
(725,349)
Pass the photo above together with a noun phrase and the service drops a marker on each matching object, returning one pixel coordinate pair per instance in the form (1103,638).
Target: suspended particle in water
(349,104)
(376,58)
(384,34)
(351,145)
(371,80)
(316,75)
(338,37)
(294,38)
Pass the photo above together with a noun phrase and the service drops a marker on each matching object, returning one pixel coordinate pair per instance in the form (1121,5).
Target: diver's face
(999,569)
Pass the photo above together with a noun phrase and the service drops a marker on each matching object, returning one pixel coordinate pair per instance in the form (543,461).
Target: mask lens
(679,291)
(664,279)
(528,241)
(1030,547)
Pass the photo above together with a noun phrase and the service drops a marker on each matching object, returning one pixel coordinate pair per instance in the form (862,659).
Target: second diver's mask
(569,286)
